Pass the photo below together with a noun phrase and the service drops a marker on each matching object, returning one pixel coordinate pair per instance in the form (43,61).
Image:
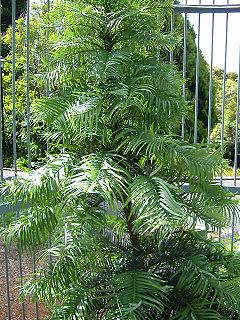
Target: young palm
(123,198)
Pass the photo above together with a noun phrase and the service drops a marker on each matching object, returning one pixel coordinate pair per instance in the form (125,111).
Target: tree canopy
(38,49)
(6,16)
(7,11)
(230,111)
(204,78)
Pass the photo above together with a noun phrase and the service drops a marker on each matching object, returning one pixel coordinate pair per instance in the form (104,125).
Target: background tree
(204,76)
(37,87)
(6,17)
(230,111)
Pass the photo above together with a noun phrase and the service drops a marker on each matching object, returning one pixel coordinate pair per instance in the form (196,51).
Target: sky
(219,35)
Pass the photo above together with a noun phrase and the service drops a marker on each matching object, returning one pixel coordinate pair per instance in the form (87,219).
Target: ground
(16,306)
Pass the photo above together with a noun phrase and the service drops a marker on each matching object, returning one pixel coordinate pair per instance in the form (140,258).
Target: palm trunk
(133,236)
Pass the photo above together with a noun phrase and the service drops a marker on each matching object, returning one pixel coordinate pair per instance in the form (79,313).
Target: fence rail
(233,8)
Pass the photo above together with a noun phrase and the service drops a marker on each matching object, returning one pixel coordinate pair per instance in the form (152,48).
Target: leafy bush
(123,200)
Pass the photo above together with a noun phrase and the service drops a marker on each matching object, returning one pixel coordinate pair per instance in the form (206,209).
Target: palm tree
(123,198)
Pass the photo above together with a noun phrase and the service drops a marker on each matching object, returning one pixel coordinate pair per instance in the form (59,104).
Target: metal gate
(8,297)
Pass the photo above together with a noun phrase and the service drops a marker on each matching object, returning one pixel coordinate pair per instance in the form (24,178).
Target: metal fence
(9,258)
(13,265)
(213,10)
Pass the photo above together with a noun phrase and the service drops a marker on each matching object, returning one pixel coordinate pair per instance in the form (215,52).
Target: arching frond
(33,227)
(134,292)
(70,118)
(198,162)
(196,278)
(194,310)
(216,206)
(40,187)
(100,174)
(154,205)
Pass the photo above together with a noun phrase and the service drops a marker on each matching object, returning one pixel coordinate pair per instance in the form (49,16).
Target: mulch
(14,278)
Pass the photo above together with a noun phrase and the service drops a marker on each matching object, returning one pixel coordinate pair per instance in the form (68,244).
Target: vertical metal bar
(224,88)
(236,151)
(233,231)
(47,38)
(1,98)
(28,85)
(34,270)
(14,121)
(47,94)
(47,80)
(158,48)
(184,68)
(21,273)
(237,126)
(1,174)
(172,30)
(14,85)
(7,273)
(197,81)
(28,118)
(14,132)
(211,83)
(224,99)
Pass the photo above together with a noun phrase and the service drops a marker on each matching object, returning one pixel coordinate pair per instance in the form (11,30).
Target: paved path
(9,173)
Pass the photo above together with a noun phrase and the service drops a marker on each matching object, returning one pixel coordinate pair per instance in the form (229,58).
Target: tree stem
(133,236)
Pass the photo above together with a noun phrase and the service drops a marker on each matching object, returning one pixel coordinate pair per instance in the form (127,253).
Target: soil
(14,279)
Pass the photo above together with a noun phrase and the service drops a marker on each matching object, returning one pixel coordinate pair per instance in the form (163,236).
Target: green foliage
(40,28)
(230,111)
(6,18)
(7,11)
(204,76)
(37,88)
(123,198)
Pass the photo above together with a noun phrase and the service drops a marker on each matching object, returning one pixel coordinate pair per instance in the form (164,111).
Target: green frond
(100,174)
(111,65)
(78,257)
(215,206)
(134,293)
(194,311)
(201,163)
(233,265)
(70,118)
(40,187)
(78,303)
(153,204)
(145,97)
(196,279)
(33,227)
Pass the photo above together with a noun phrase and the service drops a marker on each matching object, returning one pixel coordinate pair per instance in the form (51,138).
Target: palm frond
(40,187)
(198,162)
(198,280)
(33,227)
(215,207)
(100,174)
(154,205)
(194,310)
(70,118)
(134,293)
